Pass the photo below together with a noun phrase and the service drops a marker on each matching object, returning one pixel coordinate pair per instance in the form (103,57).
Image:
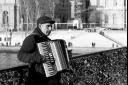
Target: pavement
(120,36)
(9,60)
(81,38)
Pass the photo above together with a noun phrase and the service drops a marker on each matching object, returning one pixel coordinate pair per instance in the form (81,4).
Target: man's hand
(43,59)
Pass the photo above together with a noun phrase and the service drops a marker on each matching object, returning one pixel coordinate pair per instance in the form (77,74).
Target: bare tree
(33,9)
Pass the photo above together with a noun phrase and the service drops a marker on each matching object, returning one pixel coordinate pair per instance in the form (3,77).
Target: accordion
(56,51)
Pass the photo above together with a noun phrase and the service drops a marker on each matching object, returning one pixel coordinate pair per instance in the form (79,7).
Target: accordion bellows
(55,51)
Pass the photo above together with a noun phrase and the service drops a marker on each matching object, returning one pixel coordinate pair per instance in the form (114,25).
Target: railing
(19,27)
(31,26)
(58,26)
(75,26)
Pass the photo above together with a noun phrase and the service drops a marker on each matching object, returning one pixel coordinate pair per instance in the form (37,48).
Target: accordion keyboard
(49,69)
(46,52)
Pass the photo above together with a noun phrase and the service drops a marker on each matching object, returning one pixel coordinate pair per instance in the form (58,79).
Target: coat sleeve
(28,53)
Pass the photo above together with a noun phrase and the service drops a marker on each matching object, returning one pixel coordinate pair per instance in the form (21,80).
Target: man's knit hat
(45,19)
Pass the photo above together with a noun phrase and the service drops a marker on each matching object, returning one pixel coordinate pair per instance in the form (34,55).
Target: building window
(0,39)
(125,3)
(106,3)
(102,3)
(114,18)
(98,3)
(106,19)
(0,7)
(5,18)
(7,39)
(114,2)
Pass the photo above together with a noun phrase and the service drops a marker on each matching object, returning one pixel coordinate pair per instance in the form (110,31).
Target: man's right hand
(43,59)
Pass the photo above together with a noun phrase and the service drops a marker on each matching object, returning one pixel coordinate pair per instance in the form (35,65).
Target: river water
(9,60)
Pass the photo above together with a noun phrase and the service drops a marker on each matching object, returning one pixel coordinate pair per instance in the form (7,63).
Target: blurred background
(18,19)
(95,32)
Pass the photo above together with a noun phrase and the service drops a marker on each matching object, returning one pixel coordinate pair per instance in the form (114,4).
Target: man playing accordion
(29,54)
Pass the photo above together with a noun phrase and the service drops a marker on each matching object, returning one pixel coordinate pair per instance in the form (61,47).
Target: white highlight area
(85,39)
(118,36)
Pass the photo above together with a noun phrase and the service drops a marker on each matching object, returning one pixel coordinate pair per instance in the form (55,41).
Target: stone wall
(102,68)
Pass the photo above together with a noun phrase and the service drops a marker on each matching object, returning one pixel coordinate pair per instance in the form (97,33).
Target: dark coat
(29,54)
(29,51)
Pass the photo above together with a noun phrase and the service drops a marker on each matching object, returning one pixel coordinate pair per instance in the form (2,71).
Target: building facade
(79,9)
(62,11)
(76,8)
(113,13)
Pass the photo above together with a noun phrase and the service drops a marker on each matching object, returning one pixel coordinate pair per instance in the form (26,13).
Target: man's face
(46,28)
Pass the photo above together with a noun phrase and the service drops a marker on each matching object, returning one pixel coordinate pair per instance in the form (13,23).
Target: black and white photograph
(63,42)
